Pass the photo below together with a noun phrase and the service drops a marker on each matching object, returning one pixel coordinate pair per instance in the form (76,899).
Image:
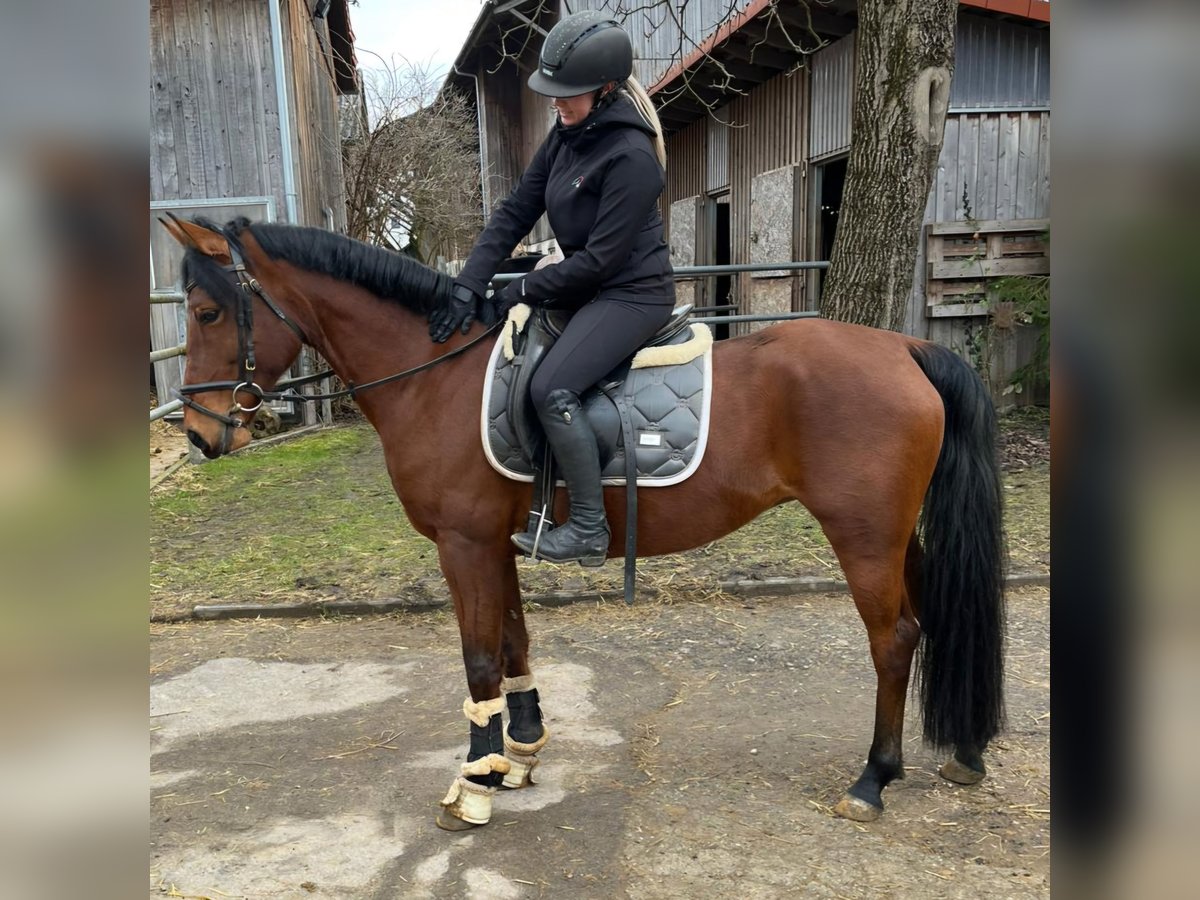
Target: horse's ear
(172,225)
(196,237)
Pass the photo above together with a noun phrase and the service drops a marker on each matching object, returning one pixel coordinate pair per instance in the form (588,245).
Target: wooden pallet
(963,257)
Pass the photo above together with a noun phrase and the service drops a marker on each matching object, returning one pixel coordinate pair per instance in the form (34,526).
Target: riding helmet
(583,52)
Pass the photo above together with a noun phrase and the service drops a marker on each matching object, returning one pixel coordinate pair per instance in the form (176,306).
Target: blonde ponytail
(645,107)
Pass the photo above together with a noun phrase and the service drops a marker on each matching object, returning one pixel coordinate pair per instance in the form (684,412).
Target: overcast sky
(427,33)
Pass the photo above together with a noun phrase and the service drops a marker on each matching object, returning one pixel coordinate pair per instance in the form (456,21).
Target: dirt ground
(696,751)
(168,445)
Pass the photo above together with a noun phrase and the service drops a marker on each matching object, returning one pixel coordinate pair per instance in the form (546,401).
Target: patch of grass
(316,518)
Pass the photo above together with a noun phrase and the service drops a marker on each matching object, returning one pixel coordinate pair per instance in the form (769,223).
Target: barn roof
(751,47)
(341,39)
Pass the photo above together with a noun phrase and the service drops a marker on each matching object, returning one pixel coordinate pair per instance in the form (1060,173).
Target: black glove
(458,314)
(507,297)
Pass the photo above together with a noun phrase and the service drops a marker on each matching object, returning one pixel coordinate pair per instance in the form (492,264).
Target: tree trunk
(904,59)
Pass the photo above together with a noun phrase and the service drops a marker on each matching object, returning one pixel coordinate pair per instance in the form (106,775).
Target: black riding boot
(585,535)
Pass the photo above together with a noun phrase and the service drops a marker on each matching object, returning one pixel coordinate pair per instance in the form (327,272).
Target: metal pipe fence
(680,272)
(774,317)
(698,271)
(168,352)
(165,410)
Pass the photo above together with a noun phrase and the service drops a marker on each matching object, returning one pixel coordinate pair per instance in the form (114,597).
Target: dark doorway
(722,255)
(833,180)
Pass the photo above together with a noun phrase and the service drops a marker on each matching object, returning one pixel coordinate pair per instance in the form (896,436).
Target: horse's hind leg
(966,766)
(881,584)
(526,734)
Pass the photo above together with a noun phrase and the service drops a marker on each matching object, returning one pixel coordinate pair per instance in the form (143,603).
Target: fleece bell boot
(585,535)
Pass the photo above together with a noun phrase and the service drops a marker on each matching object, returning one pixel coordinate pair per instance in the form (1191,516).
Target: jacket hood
(617,113)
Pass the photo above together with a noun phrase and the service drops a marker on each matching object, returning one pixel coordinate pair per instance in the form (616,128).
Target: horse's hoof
(857,810)
(521,774)
(447,822)
(466,805)
(960,773)
(520,771)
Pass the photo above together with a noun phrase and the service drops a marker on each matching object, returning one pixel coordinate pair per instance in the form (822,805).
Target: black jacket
(597,182)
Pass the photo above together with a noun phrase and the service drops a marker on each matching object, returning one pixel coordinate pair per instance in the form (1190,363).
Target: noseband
(249,287)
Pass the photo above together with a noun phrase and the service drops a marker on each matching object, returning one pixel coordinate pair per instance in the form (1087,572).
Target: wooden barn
(244,100)
(757,109)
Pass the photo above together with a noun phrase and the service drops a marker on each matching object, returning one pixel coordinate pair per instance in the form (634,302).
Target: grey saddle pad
(669,408)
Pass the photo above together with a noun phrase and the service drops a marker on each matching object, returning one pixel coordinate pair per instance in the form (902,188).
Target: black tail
(961,607)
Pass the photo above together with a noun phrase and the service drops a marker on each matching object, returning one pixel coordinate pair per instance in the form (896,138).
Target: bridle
(249,287)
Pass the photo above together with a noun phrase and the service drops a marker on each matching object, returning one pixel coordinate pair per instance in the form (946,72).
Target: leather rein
(249,287)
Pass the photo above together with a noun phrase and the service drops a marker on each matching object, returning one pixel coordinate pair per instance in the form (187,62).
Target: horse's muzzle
(202,445)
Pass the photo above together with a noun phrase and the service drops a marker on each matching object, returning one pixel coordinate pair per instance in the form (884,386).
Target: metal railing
(159,297)
(168,352)
(686,272)
(699,271)
(680,272)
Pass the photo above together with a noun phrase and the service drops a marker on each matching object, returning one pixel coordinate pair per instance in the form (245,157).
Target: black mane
(390,276)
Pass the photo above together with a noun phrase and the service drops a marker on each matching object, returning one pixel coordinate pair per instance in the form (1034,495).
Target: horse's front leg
(526,733)
(479,573)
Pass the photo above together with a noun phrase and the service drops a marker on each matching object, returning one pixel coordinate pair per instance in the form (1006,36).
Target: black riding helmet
(582,53)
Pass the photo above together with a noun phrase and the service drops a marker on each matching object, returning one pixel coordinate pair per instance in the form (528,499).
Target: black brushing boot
(585,535)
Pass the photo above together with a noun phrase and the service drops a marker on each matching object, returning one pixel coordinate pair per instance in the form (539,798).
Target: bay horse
(888,440)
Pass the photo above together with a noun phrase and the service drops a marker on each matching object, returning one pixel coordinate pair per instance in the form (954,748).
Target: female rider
(597,176)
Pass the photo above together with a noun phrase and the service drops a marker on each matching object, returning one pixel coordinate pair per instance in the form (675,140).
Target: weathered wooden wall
(314,117)
(500,93)
(687,151)
(214,117)
(215,132)
(516,121)
(993,166)
(214,112)
(768,130)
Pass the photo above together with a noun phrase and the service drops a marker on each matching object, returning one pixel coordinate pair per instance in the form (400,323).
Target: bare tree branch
(412,171)
(709,82)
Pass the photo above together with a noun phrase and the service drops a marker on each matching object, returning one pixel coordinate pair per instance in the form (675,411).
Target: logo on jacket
(577,182)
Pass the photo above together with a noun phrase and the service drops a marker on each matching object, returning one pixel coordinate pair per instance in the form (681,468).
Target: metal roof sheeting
(1000,64)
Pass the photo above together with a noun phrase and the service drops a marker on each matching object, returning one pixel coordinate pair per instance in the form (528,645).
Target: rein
(249,288)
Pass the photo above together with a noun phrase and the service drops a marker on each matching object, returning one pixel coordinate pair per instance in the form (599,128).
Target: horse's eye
(208,316)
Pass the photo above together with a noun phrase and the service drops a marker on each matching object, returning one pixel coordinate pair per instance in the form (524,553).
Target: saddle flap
(530,346)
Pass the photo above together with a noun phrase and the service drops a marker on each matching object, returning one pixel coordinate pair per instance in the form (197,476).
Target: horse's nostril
(198,441)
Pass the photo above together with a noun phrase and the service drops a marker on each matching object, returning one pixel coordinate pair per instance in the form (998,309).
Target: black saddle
(544,327)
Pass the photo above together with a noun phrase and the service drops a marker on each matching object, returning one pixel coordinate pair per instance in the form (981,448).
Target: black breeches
(595,341)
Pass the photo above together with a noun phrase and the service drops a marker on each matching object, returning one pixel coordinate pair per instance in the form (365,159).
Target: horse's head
(234,350)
